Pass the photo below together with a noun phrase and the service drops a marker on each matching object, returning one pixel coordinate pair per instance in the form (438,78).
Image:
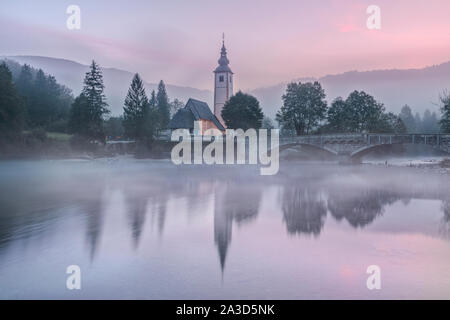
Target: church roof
(223,69)
(182,119)
(193,111)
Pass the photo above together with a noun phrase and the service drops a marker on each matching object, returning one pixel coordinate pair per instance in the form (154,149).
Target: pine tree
(136,117)
(78,117)
(430,122)
(24,85)
(38,101)
(152,101)
(24,82)
(46,102)
(408,118)
(163,106)
(418,121)
(445,109)
(90,107)
(11,106)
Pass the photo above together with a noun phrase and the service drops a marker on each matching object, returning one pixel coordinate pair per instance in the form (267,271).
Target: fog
(150,229)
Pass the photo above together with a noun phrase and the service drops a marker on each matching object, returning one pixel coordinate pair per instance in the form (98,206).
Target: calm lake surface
(151,230)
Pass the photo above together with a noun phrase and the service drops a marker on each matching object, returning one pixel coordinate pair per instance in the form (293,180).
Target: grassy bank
(38,144)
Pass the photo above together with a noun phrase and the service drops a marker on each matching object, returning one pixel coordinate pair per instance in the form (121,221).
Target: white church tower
(223,83)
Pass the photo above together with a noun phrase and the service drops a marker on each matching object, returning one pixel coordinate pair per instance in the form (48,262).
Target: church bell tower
(223,83)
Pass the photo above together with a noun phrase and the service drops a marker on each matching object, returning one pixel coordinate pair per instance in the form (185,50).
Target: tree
(267,123)
(49,103)
(391,123)
(152,101)
(114,128)
(242,111)
(90,107)
(408,119)
(418,121)
(79,117)
(338,116)
(304,106)
(46,102)
(360,112)
(430,123)
(137,114)
(24,82)
(11,106)
(365,112)
(163,106)
(445,110)
(176,105)
(398,125)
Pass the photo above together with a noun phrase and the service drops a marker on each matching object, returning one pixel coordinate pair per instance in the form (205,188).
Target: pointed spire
(223,60)
(224,50)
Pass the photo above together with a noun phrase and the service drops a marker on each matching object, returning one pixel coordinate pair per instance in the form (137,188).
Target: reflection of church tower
(94,225)
(223,83)
(222,226)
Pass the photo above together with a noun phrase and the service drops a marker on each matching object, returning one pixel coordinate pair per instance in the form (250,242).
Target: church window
(220,78)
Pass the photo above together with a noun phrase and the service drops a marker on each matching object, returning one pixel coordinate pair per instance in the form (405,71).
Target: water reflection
(359,207)
(444,226)
(304,210)
(233,201)
(137,210)
(38,203)
(94,222)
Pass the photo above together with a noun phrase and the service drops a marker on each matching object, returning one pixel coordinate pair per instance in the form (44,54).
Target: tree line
(305,111)
(31,99)
(39,101)
(143,118)
(428,122)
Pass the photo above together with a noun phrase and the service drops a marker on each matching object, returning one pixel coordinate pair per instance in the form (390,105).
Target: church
(196,110)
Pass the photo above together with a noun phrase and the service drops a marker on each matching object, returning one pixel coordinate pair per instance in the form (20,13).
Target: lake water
(151,230)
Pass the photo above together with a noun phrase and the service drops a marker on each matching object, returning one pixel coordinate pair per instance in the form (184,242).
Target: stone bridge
(357,145)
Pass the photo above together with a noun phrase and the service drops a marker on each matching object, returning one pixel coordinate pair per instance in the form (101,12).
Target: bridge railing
(413,138)
(370,138)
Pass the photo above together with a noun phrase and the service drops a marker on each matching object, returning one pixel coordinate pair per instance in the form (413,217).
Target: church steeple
(223,60)
(223,82)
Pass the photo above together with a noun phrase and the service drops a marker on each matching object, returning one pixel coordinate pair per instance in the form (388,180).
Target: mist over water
(151,230)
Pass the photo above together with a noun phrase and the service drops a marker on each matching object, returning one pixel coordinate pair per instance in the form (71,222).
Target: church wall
(223,91)
(206,125)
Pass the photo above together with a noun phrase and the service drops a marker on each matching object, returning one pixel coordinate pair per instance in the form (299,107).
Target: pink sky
(268,41)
